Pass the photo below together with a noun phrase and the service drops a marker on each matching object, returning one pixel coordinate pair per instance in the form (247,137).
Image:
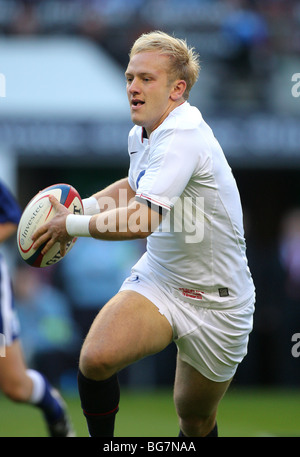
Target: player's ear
(179,87)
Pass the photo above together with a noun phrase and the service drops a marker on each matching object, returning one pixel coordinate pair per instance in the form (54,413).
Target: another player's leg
(196,400)
(128,328)
(29,386)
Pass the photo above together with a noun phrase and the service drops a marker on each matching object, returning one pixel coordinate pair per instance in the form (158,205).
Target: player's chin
(137,117)
(137,120)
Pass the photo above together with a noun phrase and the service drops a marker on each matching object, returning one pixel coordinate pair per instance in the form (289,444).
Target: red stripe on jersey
(156,202)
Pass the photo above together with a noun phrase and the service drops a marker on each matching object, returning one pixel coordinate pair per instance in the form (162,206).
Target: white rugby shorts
(213,341)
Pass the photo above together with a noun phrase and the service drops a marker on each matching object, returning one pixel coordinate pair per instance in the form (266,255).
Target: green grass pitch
(242,413)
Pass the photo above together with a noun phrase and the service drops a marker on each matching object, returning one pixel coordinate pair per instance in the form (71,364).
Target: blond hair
(184,61)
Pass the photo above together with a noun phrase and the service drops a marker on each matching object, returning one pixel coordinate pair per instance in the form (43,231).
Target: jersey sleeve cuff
(153,200)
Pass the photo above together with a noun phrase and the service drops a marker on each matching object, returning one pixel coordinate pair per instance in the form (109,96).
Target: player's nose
(134,88)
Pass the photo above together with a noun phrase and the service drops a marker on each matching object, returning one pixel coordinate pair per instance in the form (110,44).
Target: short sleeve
(173,158)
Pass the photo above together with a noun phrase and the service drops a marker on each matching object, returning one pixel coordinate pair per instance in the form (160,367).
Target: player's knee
(191,425)
(95,364)
(15,390)
(196,425)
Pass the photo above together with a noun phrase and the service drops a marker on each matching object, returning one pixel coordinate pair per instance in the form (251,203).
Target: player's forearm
(113,191)
(134,221)
(117,194)
(119,224)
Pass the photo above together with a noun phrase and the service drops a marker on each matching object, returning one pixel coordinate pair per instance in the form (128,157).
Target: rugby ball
(39,211)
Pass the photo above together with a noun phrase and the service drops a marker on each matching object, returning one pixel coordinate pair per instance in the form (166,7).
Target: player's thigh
(194,394)
(126,329)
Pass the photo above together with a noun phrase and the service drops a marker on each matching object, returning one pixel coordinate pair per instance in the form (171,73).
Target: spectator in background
(290,253)
(245,29)
(289,262)
(264,360)
(25,20)
(246,33)
(49,335)
(276,272)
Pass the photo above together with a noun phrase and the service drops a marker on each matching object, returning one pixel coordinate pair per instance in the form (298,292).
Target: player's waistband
(219,298)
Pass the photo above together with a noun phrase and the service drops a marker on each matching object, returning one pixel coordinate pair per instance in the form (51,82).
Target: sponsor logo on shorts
(223,292)
(191,293)
(198,294)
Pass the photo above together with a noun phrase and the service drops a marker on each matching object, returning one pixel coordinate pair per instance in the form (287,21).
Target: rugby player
(193,285)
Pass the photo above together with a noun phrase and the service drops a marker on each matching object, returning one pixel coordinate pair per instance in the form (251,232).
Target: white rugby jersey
(199,248)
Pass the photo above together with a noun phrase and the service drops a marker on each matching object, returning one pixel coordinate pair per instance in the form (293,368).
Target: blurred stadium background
(64,118)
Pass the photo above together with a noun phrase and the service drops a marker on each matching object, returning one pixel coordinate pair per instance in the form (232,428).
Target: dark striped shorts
(9,323)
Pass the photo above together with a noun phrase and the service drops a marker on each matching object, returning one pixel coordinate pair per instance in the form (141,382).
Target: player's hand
(53,231)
